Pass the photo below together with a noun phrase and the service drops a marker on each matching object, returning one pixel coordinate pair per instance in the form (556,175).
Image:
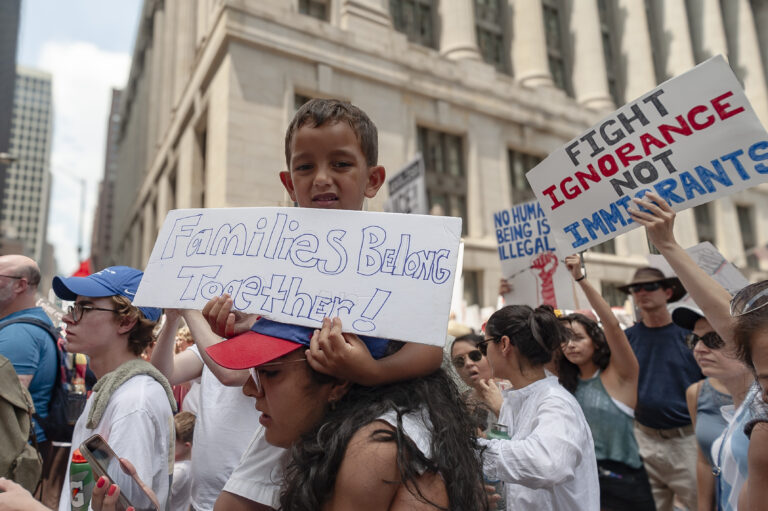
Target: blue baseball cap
(269,340)
(115,280)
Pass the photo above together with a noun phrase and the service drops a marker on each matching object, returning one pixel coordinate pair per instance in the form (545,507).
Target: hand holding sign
(658,218)
(224,321)
(573,263)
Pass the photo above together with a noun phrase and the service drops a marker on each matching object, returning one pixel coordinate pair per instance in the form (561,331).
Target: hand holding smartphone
(104,462)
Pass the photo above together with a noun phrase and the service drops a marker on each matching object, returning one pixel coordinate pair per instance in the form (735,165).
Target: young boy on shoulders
(331,150)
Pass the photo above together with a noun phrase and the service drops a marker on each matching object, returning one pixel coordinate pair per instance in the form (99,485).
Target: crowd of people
(559,411)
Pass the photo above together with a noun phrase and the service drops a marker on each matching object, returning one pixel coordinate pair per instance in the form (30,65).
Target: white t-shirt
(549,463)
(181,490)
(226,421)
(138,425)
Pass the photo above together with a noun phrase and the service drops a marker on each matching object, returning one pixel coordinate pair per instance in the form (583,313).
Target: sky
(86,45)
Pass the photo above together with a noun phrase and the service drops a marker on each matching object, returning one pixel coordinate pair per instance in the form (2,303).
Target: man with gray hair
(30,348)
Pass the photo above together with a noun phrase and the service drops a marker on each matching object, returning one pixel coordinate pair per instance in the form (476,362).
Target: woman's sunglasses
(266,367)
(711,340)
(474,356)
(750,299)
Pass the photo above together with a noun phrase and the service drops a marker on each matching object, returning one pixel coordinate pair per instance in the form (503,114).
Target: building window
(746,217)
(605,11)
(299,100)
(473,287)
(612,294)
(519,164)
(315,8)
(490,19)
(415,19)
(553,28)
(606,247)
(445,175)
(705,228)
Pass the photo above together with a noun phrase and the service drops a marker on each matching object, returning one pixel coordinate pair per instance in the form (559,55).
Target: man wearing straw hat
(663,426)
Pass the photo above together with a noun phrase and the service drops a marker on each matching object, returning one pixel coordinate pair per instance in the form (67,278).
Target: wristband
(581,278)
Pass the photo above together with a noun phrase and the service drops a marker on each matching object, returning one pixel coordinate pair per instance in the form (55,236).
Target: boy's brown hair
(185,426)
(142,333)
(317,112)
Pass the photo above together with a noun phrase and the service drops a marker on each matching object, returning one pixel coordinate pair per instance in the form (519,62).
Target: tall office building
(9,29)
(484,89)
(101,237)
(27,192)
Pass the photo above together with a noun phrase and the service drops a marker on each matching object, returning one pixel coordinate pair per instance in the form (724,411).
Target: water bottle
(497,431)
(80,482)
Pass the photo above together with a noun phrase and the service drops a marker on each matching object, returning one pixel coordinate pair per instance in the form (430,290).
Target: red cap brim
(250,349)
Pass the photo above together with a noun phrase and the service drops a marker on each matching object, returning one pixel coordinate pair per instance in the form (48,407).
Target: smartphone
(104,462)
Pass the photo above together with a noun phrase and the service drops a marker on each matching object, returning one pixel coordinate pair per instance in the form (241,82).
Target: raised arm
(204,338)
(709,295)
(177,368)
(623,359)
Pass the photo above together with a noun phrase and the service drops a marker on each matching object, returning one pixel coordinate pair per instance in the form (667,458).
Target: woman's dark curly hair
(310,476)
(567,371)
(535,333)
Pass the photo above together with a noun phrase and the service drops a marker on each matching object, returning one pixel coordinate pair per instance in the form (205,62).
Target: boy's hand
(224,321)
(338,354)
(504,287)
(659,219)
(573,263)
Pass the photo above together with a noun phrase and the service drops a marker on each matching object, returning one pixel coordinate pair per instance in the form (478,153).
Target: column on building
(744,50)
(707,32)
(590,79)
(529,44)
(458,39)
(676,49)
(147,219)
(185,50)
(761,21)
(203,19)
(168,42)
(637,73)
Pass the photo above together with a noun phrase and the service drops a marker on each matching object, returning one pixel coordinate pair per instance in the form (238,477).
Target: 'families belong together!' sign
(383,274)
(691,140)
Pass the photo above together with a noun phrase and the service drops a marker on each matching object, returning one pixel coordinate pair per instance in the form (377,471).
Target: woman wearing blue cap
(132,404)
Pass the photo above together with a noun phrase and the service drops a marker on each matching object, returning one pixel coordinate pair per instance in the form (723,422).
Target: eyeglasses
(750,299)
(647,286)
(77,310)
(474,356)
(711,340)
(255,371)
(483,346)
(11,277)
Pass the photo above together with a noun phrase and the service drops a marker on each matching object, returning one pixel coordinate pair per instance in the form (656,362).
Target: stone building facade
(483,88)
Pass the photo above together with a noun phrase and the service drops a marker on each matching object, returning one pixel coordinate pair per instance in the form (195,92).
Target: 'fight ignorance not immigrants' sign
(383,274)
(691,140)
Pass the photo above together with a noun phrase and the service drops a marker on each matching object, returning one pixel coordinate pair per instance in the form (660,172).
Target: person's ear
(669,292)
(376,176)
(126,324)
(338,390)
(285,178)
(505,344)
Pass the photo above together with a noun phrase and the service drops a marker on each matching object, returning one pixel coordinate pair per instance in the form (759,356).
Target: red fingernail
(112,490)
(102,480)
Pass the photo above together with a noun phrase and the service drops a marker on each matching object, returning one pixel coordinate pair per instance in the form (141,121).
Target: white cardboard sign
(691,140)
(383,274)
(529,260)
(408,189)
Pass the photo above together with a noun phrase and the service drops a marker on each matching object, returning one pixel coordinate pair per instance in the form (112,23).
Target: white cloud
(83,76)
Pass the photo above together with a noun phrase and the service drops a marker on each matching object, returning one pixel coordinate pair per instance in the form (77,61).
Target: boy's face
(328,169)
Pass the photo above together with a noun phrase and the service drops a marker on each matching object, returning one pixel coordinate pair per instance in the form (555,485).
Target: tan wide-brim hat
(650,274)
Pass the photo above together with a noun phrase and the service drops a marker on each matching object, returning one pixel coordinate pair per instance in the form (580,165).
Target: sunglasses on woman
(267,367)
(474,356)
(711,340)
(750,299)
(647,286)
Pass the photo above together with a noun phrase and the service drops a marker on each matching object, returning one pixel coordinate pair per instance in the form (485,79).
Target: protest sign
(408,189)
(709,259)
(529,261)
(383,274)
(691,140)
